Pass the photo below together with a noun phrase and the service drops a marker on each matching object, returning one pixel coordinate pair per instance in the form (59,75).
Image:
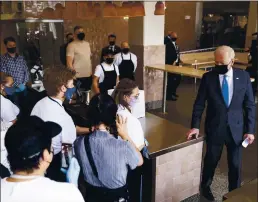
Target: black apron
(102,194)
(109,81)
(126,69)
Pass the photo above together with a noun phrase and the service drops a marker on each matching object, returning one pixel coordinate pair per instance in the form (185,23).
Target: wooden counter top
(246,193)
(164,136)
(185,70)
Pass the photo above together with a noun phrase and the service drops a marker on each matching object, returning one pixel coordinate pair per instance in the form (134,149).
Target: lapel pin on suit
(237,78)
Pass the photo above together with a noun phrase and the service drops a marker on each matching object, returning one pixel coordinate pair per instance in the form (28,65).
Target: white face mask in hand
(245,143)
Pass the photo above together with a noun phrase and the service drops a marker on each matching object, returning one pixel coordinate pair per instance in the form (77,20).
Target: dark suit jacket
(63,53)
(239,116)
(171,52)
(117,50)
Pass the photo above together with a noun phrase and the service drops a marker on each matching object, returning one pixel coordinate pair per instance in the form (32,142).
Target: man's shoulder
(105,48)
(86,43)
(117,47)
(239,71)
(209,74)
(68,190)
(133,55)
(39,104)
(117,55)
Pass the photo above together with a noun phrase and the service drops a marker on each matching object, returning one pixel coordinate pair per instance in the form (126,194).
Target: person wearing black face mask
(78,58)
(106,74)
(227,93)
(252,67)
(112,47)
(69,39)
(13,64)
(126,62)
(172,58)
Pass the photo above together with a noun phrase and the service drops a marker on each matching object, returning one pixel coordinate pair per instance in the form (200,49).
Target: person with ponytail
(126,95)
(106,154)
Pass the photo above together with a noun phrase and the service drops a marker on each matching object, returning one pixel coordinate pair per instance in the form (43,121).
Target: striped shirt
(15,67)
(111,156)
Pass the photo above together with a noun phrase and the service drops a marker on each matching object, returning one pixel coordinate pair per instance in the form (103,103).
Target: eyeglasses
(136,96)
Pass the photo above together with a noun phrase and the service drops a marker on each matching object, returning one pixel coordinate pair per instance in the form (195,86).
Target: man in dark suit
(111,47)
(253,68)
(69,39)
(230,117)
(172,58)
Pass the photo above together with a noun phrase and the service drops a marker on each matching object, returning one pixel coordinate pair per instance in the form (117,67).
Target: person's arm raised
(122,132)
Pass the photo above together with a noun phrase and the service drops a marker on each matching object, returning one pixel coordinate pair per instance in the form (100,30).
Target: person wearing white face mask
(126,95)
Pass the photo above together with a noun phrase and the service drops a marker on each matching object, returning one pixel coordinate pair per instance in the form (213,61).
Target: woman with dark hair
(106,154)
(126,94)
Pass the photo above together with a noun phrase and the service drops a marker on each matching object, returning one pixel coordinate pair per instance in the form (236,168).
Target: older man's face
(222,58)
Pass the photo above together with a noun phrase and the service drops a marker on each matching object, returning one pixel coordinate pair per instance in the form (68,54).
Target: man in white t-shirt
(28,143)
(78,57)
(58,83)
(106,74)
(126,62)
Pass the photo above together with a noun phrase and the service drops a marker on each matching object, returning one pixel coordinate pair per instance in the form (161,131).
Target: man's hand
(250,138)
(193,131)
(29,84)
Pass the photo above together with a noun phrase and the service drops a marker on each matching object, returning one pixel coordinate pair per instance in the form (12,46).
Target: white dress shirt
(133,125)
(99,71)
(229,77)
(50,110)
(4,154)
(118,59)
(174,43)
(9,111)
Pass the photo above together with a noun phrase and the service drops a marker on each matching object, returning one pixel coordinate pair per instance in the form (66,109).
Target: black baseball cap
(107,52)
(30,136)
(112,35)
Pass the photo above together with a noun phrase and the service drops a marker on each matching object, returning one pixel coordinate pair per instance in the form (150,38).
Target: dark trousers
(4,172)
(100,194)
(86,83)
(173,83)
(54,169)
(136,179)
(212,157)
(134,184)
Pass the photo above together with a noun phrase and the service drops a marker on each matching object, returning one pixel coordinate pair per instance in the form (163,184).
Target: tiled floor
(180,112)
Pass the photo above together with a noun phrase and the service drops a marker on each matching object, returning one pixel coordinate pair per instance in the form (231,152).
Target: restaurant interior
(174,172)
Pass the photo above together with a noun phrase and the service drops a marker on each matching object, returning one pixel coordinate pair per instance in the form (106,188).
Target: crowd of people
(115,62)
(111,151)
(108,151)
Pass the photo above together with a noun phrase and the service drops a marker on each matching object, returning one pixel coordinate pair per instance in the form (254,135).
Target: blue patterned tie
(225,90)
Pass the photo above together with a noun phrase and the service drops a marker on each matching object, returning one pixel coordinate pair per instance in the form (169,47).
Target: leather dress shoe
(207,194)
